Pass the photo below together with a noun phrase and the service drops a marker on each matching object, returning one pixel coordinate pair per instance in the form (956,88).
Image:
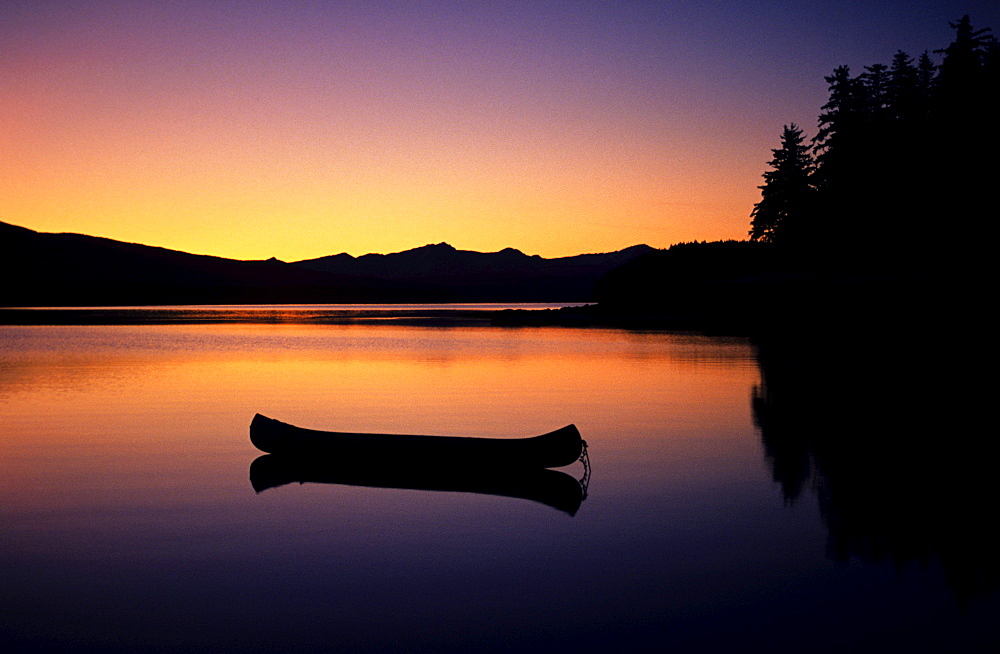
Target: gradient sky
(300,129)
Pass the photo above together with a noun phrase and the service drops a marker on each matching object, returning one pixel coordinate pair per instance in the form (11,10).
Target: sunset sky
(300,129)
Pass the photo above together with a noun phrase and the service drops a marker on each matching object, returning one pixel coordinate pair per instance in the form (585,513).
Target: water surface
(130,522)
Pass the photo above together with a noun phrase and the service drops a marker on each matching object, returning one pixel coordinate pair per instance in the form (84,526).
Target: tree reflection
(885,425)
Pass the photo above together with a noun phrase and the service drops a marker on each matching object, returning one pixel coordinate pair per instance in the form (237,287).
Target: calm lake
(710,522)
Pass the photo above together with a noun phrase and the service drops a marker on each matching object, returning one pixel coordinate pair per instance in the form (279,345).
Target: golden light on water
(356,378)
(156,408)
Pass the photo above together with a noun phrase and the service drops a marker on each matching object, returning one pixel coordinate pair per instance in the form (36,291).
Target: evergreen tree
(903,91)
(875,81)
(902,216)
(926,77)
(964,60)
(783,213)
(901,152)
(964,138)
(838,141)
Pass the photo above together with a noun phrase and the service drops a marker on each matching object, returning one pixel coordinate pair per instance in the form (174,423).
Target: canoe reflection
(550,487)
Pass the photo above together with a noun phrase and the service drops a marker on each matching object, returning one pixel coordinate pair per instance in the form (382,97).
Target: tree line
(899,173)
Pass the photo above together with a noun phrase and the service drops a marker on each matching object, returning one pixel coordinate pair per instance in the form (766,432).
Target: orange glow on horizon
(193,136)
(253,195)
(246,130)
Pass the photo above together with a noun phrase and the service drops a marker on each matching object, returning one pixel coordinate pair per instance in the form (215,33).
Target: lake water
(130,523)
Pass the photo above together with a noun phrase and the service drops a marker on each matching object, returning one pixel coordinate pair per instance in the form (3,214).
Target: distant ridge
(45,269)
(507,275)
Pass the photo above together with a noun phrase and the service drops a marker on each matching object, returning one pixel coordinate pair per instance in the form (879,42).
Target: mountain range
(46,269)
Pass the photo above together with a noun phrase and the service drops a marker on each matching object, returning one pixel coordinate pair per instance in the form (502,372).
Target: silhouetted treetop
(901,150)
(787,190)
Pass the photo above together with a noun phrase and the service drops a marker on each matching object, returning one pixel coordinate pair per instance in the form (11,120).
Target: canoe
(552,488)
(555,449)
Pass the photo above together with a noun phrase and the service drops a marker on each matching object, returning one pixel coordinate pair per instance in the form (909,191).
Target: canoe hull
(555,449)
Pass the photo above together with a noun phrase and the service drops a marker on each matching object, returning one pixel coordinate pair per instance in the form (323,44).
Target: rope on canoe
(585,480)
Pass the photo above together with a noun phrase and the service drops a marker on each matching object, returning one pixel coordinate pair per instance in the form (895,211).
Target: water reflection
(128,524)
(412,314)
(550,487)
(883,429)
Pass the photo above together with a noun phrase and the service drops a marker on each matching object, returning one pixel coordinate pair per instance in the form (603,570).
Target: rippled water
(130,522)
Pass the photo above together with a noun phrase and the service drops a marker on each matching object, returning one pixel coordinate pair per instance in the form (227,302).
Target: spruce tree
(903,92)
(964,142)
(838,143)
(783,214)
(902,152)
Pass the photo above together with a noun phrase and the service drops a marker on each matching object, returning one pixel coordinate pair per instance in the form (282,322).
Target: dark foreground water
(731,506)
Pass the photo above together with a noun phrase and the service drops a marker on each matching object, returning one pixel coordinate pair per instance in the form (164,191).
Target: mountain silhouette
(45,269)
(507,275)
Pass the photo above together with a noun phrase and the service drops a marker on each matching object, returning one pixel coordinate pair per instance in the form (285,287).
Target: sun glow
(231,135)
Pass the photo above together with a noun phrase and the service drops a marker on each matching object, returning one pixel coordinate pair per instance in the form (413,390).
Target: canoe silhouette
(555,449)
(549,487)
